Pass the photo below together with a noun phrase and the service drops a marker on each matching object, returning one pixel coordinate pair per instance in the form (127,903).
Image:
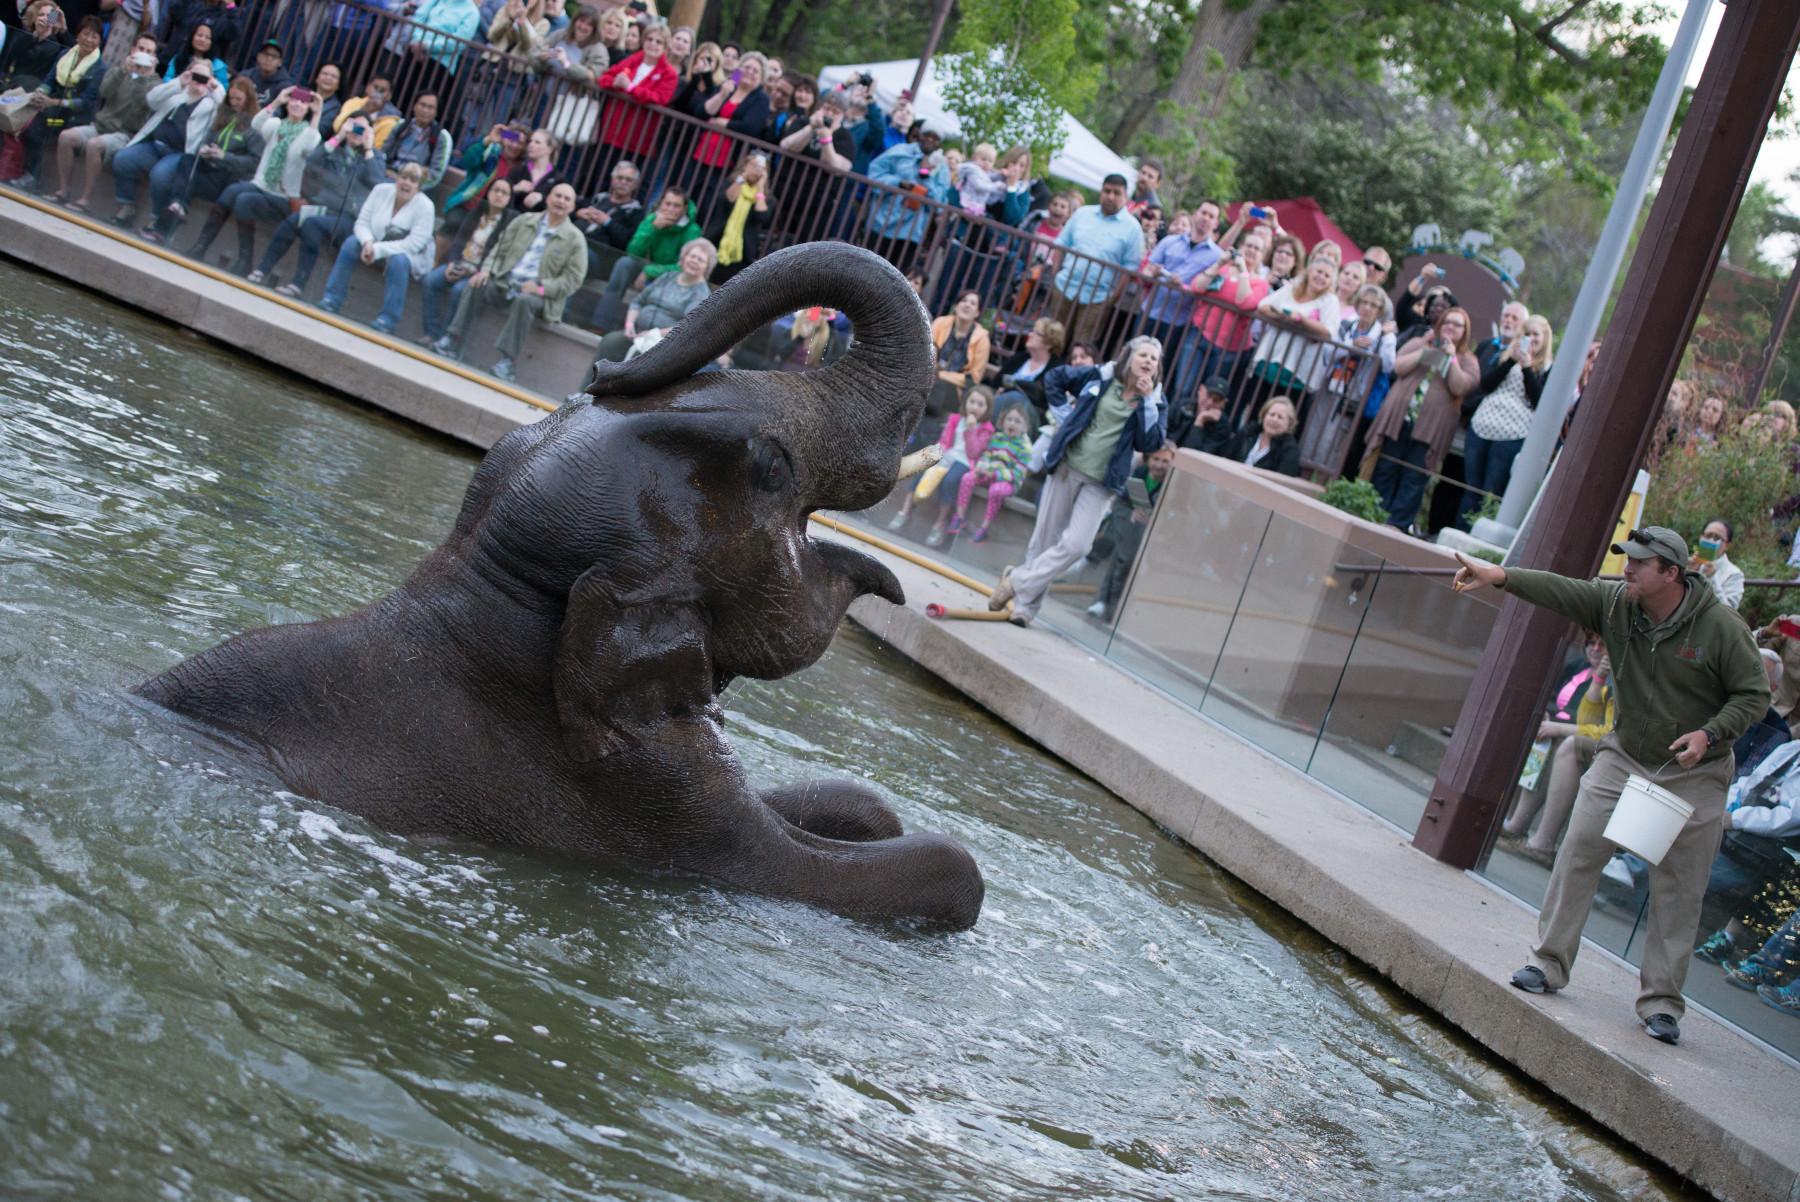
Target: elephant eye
(769,467)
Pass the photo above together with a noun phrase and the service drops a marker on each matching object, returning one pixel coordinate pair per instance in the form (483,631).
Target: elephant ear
(623,668)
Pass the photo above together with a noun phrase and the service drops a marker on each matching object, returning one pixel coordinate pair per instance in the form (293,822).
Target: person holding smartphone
(1510,390)
(289,128)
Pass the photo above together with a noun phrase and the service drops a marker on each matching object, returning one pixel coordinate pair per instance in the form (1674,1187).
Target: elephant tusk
(918,461)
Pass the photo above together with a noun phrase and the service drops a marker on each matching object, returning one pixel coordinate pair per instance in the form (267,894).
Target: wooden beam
(1667,281)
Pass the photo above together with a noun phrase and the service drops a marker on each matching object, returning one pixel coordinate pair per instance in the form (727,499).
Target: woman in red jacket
(649,78)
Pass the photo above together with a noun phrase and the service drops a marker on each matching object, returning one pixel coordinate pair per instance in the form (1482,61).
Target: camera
(865,79)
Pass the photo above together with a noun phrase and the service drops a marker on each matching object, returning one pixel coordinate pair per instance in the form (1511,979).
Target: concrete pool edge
(1443,937)
(379,372)
(1709,1109)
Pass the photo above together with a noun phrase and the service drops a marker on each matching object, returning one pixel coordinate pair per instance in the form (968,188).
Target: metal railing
(1021,277)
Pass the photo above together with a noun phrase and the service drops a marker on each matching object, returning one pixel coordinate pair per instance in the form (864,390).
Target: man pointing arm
(1689,681)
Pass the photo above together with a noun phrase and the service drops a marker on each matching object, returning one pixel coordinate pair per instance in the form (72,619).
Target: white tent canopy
(1084,158)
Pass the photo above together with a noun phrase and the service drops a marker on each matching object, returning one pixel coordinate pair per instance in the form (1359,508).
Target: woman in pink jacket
(965,437)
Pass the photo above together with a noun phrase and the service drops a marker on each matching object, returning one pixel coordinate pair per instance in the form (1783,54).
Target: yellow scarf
(731,244)
(71,67)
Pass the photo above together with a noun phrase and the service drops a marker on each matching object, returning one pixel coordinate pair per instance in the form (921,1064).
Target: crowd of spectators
(1273,352)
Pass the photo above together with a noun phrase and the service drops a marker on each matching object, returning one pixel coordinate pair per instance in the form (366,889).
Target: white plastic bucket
(1647,819)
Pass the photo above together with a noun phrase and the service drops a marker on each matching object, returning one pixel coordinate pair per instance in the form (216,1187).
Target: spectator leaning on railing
(743,218)
(823,136)
(1101,235)
(1432,373)
(435,41)
(1231,291)
(914,168)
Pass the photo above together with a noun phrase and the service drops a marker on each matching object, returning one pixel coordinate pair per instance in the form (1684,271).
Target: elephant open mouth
(549,676)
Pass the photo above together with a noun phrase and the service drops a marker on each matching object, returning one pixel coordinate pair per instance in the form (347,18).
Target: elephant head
(549,676)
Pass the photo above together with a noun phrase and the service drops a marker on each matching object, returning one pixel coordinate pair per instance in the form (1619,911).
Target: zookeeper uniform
(1698,669)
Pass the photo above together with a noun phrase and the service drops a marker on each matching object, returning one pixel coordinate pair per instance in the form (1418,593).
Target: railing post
(1676,256)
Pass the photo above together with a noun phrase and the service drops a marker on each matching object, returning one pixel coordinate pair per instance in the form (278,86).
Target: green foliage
(1487,553)
(1530,77)
(1357,498)
(1742,479)
(1017,66)
(1377,186)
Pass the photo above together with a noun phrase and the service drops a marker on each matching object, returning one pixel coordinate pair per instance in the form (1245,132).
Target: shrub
(1743,479)
(1357,498)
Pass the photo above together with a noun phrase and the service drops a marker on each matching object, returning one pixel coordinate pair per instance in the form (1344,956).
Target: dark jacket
(74,106)
(242,145)
(1032,389)
(27,62)
(269,86)
(750,117)
(617,232)
(464,225)
(1283,456)
(179,19)
(1082,387)
(520,178)
(693,95)
(754,228)
(340,178)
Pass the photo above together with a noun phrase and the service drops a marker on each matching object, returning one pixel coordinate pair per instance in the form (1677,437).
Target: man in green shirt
(1689,681)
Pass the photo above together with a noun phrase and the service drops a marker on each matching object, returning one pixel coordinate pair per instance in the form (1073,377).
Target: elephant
(549,677)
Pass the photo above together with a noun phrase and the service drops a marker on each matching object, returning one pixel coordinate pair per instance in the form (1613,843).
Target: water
(212,989)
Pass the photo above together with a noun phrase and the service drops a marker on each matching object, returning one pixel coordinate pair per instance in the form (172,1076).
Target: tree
(1529,77)
(1017,66)
(1377,185)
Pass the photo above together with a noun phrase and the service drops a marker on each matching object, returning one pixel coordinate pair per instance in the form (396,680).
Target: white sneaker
(1097,610)
(898,521)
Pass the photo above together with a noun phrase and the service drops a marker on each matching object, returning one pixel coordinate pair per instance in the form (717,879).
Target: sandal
(79,205)
(59,197)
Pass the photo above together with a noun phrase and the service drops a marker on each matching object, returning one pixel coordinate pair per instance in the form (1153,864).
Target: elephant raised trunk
(848,422)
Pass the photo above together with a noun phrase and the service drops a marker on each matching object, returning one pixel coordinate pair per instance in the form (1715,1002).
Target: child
(965,437)
(1001,467)
(978,185)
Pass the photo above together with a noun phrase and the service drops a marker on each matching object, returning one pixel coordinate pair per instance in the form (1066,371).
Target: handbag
(573,117)
(15,111)
(12,157)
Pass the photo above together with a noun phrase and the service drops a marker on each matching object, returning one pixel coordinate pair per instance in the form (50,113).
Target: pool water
(214,989)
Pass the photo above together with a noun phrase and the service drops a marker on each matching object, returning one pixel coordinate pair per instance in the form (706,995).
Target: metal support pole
(931,44)
(1609,252)
(1784,316)
(1668,280)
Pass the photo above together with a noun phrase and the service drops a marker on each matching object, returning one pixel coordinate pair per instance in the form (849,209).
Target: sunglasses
(1377,265)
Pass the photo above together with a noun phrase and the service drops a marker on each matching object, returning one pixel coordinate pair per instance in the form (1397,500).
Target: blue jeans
(248,202)
(397,274)
(1486,466)
(441,295)
(1400,477)
(313,233)
(132,164)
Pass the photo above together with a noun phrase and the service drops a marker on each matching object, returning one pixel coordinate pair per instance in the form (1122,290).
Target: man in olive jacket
(1689,681)
(533,268)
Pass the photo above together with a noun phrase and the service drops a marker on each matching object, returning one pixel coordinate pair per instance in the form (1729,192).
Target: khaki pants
(1069,514)
(1677,885)
(522,312)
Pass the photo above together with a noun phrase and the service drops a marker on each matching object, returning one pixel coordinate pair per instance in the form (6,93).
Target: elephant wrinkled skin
(549,676)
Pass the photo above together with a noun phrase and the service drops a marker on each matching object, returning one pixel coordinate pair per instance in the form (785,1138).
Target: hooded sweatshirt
(660,249)
(1698,669)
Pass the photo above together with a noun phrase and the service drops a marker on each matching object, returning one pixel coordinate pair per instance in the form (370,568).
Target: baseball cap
(1217,385)
(1651,541)
(268,42)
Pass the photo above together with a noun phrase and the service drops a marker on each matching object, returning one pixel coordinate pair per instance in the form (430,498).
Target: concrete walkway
(1719,1109)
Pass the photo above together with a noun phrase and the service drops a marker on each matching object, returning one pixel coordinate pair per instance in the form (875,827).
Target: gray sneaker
(1532,980)
(503,370)
(1663,1027)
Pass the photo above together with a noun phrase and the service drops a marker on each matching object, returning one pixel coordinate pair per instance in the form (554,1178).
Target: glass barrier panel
(1180,604)
(1287,647)
(1414,658)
